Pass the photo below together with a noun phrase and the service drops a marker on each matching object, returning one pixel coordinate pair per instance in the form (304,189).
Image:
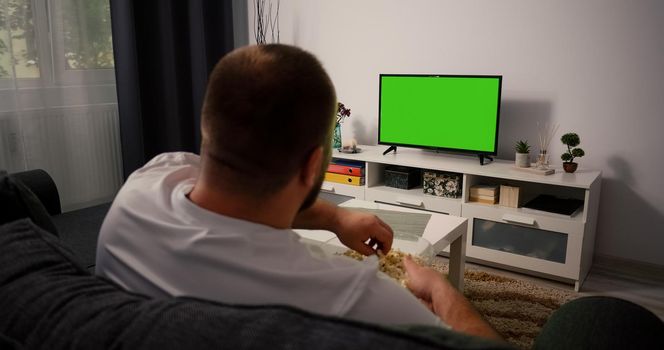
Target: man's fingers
(383,235)
(365,249)
(413,280)
(385,225)
(411,268)
(409,264)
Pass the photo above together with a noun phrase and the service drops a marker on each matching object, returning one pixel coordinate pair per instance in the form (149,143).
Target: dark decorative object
(571,140)
(442,184)
(402,177)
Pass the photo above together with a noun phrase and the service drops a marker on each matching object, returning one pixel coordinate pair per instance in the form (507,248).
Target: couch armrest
(43,186)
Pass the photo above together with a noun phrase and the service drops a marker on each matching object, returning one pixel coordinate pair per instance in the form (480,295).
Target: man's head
(267,108)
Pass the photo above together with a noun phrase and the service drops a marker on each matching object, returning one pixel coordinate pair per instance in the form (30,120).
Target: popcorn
(391,263)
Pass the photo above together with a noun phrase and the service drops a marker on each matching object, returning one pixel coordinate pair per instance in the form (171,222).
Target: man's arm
(362,232)
(446,302)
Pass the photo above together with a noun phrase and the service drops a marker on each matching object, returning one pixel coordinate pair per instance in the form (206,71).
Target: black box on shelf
(402,177)
(442,184)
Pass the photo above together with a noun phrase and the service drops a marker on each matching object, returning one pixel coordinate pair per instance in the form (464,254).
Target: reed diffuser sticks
(545,135)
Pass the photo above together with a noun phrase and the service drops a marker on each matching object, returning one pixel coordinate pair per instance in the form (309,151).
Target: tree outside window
(84,33)
(87,34)
(18,49)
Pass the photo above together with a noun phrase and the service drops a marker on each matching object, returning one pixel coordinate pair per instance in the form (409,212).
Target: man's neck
(277,210)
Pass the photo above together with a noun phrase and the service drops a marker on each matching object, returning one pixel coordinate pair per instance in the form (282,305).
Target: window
(18,50)
(58,105)
(57,42)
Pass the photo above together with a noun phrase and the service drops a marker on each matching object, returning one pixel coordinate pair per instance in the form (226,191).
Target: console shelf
(519,239)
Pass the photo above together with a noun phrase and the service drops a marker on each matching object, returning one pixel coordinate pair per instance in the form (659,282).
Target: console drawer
(550,252)
(414,200)
(526,241)
(517,217)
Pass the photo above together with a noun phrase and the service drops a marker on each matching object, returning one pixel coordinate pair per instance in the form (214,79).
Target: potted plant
(522,159)
(571,140)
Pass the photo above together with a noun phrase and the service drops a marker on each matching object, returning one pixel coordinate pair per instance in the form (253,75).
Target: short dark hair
(266,109)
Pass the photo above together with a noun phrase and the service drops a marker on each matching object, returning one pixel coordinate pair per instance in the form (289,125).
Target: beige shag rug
(516,309)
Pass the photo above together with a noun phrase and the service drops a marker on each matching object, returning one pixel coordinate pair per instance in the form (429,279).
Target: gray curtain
(164,51)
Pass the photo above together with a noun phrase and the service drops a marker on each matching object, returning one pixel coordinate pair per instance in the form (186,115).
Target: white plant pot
(522,160)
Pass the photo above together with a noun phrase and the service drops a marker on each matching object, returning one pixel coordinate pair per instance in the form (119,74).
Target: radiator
(78,146)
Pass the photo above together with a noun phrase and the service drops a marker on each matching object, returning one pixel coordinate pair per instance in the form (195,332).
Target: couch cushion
(8,344)
(49,300)
(79,229)
(17,201)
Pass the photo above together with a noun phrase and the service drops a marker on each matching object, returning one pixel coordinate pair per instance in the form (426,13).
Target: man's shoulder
(171,159)
(157,179)
(165,164)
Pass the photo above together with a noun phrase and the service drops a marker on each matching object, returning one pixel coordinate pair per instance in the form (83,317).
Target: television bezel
(445,149)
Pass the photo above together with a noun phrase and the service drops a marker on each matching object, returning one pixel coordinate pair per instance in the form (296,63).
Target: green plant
(571,140)
(522,147)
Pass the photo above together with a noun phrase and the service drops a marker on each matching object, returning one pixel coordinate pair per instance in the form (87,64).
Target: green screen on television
(449,112)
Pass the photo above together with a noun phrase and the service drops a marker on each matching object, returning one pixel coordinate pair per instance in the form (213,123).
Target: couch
(50,299)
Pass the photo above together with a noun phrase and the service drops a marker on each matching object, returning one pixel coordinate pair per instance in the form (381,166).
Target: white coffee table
(441,231)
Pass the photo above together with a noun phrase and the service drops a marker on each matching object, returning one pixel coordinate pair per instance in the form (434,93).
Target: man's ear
(312,166)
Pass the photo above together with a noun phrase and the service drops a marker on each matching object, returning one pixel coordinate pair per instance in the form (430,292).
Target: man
(220,227)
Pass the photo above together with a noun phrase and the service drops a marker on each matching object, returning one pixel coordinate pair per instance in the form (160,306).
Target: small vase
(336,139)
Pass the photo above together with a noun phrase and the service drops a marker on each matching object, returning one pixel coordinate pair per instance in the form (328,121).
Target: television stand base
(392,148)
(482,156)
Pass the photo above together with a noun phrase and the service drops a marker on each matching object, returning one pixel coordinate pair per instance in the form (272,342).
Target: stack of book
(346,172)
(487,194)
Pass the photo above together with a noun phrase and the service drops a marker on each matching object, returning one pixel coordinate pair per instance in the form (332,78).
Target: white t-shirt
(155,241)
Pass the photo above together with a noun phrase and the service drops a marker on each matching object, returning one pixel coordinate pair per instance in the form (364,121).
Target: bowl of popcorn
(402,245)
(416,246)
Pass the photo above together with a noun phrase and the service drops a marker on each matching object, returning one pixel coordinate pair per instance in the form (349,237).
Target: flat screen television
(454,113)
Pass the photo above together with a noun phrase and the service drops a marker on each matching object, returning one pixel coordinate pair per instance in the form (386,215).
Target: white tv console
(541,244)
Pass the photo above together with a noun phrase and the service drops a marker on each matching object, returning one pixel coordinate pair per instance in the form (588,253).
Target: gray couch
(50,299)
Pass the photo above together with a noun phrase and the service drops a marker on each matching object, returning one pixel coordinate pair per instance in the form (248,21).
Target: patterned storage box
(442,184)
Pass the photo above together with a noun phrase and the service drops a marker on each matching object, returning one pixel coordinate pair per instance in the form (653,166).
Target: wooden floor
(643,286)
(640,285)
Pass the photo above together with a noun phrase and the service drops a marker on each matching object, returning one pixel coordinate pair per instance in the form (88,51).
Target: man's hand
(445,301)
(422,281)
(363,232)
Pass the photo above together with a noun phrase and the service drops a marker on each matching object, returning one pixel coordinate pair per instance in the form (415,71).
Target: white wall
(596,67)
